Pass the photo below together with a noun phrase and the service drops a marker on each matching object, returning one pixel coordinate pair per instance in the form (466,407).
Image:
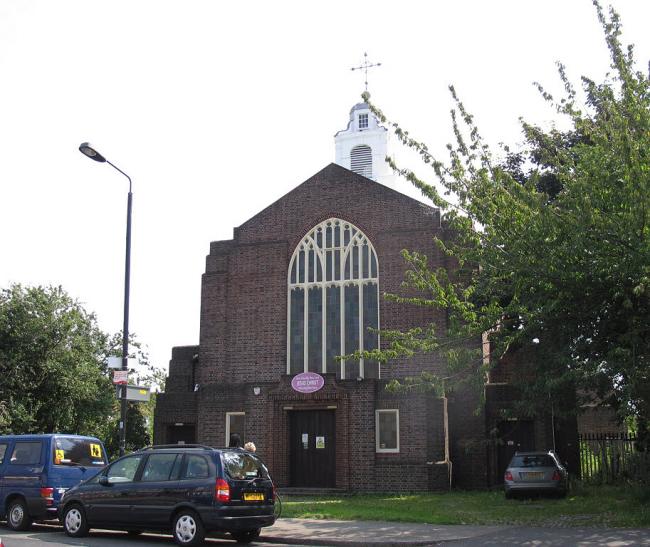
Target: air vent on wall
(361,160)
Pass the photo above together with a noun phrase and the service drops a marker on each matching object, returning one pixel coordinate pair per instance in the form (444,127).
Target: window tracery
(333,301)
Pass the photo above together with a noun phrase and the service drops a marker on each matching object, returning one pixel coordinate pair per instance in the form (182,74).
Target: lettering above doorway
(307,382)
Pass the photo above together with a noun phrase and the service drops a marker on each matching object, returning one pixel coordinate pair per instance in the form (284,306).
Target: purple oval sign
(307,382)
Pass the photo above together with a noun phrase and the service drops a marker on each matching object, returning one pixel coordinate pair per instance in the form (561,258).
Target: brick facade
(243,345)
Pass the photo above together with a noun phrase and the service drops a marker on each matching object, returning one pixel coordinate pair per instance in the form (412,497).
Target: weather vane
(365,66)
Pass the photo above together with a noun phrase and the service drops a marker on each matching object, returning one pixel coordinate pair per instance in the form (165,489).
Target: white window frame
(364,117)
(228,415)
(377,443)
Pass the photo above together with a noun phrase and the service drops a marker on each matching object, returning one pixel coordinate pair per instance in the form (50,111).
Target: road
(53,536)
(43,535)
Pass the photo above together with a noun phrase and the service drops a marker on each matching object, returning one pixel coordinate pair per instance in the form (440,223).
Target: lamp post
(86,149)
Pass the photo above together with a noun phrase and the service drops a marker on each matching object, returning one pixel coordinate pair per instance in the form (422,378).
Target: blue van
(35,471)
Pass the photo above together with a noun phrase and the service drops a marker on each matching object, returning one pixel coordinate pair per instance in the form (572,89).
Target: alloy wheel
(73,520)
(185,528)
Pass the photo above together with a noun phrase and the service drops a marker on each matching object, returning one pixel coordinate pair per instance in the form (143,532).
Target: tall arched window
(333,301)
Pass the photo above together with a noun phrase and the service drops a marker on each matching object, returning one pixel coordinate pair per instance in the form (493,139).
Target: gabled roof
(333,191)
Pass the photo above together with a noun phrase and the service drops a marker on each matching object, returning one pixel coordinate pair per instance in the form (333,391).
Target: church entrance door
(312,450)
(181,434)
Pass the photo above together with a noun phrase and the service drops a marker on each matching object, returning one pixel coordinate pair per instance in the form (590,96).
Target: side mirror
(103,480)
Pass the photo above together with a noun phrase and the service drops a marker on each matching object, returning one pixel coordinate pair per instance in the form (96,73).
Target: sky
(217,109)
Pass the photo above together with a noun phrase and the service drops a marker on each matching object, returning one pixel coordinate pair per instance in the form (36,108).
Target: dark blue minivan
(35,471)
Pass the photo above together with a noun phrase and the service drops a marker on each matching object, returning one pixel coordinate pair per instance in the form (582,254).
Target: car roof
(45,436)
(536,453)
(190,447)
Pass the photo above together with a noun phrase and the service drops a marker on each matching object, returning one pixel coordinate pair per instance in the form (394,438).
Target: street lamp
(86,149)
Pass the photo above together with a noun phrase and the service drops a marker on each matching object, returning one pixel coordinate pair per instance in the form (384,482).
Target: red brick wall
(243,340)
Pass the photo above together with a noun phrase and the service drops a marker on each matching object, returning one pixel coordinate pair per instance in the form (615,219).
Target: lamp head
(87,150)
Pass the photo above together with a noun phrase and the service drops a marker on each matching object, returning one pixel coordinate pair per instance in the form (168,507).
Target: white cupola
(363,145)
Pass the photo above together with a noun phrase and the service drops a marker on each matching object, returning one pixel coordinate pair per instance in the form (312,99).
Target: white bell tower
(363,145)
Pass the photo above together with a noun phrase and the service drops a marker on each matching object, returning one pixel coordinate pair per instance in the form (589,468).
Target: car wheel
(74,521)
(17,516)
(508,495)
(188,529)
(246,536)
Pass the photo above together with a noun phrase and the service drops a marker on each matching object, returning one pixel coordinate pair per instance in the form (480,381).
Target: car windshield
(78,451)
(241,465)
(535,460)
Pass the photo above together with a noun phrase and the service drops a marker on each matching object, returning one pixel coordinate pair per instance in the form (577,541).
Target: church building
(302,283)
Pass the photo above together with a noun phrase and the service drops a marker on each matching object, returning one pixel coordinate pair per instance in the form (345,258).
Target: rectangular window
(310,266)
(3,451)
(241,466)
(159,467)
(315,330)
(351,330)
(26,453)
(235,423)
(333,325)
(196,467)
(124,470)
(387,430)
(370,326)
(297,331)
(74,451)
(363,121)
(328,266)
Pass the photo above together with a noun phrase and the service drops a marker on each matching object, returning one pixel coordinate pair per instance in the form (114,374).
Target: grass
(585,506)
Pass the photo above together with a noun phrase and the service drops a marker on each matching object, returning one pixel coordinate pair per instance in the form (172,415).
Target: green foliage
(52,372)
(137,430)
(140,415)
(552,248)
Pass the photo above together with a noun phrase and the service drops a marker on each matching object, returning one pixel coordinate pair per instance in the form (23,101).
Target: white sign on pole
(121,377)
(116,362)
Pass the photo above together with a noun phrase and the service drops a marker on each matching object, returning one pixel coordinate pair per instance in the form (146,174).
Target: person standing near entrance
(235,441)
(250,446)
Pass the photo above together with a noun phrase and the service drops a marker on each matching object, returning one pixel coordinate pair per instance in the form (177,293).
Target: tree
(552,247)
(140,416)
(52,372)
(137,430)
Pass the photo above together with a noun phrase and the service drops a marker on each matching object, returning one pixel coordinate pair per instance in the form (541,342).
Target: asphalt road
(43,535)
(53,536)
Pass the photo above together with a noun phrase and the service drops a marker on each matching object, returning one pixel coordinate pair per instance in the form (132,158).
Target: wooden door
(181,434)
(312,449)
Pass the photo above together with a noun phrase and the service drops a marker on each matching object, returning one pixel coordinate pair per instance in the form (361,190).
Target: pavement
(331,533)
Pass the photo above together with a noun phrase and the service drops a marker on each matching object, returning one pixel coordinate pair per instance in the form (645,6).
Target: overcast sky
(217,109)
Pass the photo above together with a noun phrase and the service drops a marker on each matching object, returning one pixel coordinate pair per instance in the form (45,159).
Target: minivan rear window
(541,460)
(75,451)
(240,465)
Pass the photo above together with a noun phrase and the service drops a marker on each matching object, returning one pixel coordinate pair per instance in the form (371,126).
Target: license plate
(534,475)
(253,496)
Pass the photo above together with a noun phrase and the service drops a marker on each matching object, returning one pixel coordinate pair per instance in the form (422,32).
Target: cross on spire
(365,66)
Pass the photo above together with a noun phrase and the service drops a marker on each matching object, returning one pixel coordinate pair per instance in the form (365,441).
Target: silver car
(534,473)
